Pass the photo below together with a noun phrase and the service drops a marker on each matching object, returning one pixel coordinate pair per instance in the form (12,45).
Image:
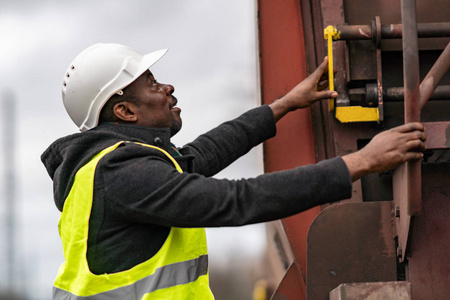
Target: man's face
(157,105)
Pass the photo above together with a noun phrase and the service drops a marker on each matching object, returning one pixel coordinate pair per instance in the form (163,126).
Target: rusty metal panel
(350,242)
(429,264)
(360,64)
(396,290)
(438,135)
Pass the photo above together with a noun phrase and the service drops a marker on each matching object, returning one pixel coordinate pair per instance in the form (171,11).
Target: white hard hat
(98,73)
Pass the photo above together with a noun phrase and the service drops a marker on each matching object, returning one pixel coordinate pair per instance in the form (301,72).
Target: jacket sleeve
(218,148)
(140,185)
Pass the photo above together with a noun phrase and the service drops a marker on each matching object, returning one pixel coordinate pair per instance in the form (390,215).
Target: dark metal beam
(395,94)
(392,31)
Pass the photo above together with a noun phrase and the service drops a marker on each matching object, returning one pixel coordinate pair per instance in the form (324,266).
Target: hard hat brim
(147,61)
(150,59)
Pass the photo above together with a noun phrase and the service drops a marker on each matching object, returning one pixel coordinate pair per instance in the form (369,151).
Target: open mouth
(174,103)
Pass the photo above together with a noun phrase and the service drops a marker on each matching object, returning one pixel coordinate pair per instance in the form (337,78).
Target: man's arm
(219,147)
(386,150)
(142,186)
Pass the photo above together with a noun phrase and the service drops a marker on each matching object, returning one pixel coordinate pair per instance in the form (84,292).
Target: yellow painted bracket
(348,114)
(330,33)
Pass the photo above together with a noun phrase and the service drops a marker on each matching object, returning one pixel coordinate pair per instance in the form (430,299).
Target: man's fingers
(413,155)
(408,127)
(415,145)
(321,69)
(415,135)
(326,95)
(420,135)
(324,76)
(322,85)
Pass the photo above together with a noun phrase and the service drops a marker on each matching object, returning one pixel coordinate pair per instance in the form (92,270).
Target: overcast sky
(212,63)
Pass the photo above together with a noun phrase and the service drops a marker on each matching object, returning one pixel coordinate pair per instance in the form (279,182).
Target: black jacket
(138,194)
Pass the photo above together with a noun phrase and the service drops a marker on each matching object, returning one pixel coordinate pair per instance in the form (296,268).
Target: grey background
(212,62)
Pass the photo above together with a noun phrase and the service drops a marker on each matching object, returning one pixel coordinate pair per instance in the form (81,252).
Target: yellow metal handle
(345,114)
(351,114)
(330,33)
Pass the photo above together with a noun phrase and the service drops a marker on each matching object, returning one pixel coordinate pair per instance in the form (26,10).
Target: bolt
(397,212)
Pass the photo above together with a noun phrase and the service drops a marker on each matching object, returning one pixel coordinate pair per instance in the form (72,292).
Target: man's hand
(310,90)
(387,150)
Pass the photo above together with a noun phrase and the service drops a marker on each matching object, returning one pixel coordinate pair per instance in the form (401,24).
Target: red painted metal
(291,287)
(282,63)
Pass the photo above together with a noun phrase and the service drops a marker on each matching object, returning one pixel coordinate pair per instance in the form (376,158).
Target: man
(133,206)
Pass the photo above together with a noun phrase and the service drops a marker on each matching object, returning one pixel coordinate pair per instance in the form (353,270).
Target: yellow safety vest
(179,270)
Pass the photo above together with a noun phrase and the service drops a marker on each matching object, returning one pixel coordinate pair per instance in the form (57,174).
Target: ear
(125,111)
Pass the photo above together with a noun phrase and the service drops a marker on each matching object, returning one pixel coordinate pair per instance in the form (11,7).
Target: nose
(169,89)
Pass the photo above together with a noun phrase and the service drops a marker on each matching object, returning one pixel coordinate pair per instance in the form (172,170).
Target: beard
(176,127)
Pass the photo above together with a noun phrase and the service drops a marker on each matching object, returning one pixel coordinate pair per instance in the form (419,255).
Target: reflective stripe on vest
(179,270)
(164,277)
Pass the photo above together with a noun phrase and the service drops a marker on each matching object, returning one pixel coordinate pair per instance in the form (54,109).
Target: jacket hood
(67,155)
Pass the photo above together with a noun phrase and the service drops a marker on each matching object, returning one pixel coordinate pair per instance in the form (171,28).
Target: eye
(154,82)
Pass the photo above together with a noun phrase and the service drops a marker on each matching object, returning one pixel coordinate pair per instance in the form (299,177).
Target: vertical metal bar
(377,29)
(407,177)
(411,80)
